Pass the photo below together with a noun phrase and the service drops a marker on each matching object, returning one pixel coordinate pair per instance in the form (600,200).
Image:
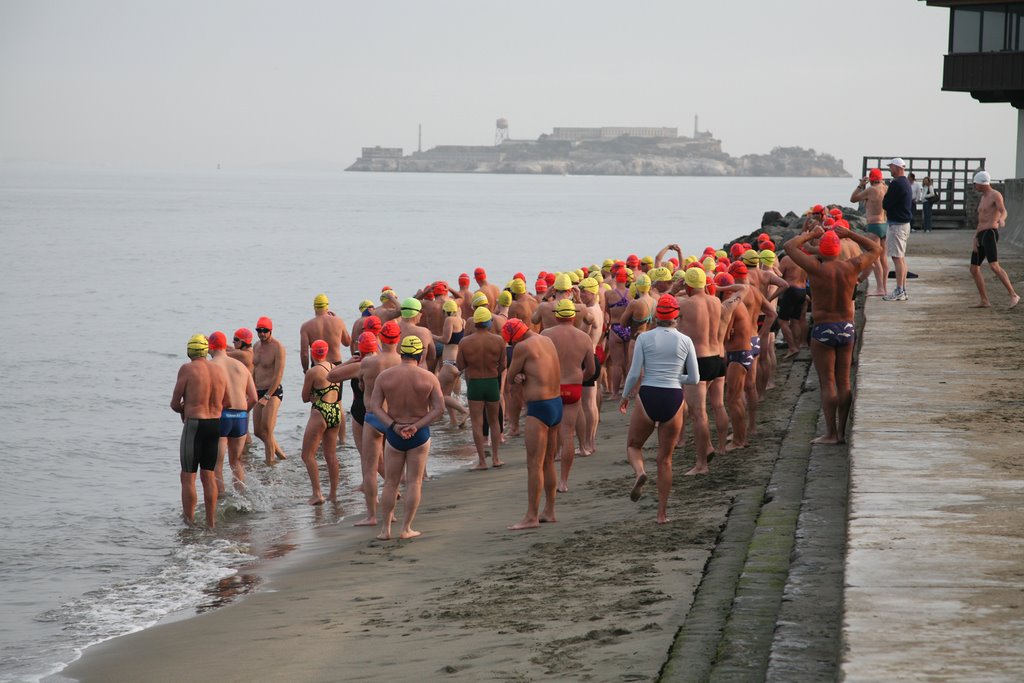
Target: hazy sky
(241,83)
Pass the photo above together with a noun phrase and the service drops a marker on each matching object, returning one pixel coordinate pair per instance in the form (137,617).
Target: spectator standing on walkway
(917,192)
(929,196)
(899,210)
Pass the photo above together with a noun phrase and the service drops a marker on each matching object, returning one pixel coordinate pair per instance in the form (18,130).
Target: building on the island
(379,152)
(986,55)
(612,132)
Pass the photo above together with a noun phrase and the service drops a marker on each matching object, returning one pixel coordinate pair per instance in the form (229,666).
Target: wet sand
(598,595)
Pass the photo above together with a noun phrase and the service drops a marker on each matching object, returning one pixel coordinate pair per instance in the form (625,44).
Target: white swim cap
(982,178)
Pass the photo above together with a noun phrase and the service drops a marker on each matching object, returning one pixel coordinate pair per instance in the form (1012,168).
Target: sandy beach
(599,595)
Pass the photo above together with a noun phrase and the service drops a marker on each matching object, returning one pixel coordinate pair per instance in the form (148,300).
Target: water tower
(500,131)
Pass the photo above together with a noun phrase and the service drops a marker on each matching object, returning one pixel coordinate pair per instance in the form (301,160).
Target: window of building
(966,31)
(993,31)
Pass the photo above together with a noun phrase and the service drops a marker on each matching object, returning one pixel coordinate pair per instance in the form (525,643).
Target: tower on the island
(500,131)
(695,129)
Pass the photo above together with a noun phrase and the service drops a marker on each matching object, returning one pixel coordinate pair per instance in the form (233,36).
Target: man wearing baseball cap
(991,216)
(899,209)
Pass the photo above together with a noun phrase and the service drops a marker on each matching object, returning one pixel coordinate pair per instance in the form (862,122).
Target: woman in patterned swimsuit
(324,419)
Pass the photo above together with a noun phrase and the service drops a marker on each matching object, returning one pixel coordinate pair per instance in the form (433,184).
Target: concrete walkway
(934,580)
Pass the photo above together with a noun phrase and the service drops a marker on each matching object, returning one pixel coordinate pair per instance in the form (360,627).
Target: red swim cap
(724,280)
(721,267)
(667,308)
(710,288)
(372,323)
(674,261)
(244,334)
(736,250)
(842,223)
(541,285)
(318,349)
(514,330)
(385,288)
(621,275)
(519,276)
(818,208)
(550,279)
(463,279)
(768,244)
(265,322)
(874,175)
(835,212)
(738,270)
(217,341)
(829,244)
(763,236)
(367,343)
(440,288)
(828,222)
(480,274)
(390,333)
(632,260)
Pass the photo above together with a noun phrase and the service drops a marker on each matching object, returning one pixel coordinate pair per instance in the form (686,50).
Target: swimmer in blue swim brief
(834,334)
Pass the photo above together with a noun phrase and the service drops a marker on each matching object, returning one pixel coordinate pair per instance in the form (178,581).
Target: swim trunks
(710,368)
(660,403)
(260,393)
(743,357)
(600,353)
(548,411)
(791,303)
(199,441)
(755,346)
(986,250)
(234,423)
(571,393)
(592,380)
(421,436)
(438,349)
(375,422)
(483,389)
(877,229)
(834,334)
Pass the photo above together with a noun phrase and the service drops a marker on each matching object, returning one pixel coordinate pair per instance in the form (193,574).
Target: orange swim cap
(265,323)
(244,335)
(667,308)
(829,244)
(541,285)
(372,324)
(217,341)
(390,332)
(724,280)
(738,270)
(318,349)
(480,274)
(367,343)
(463,279)
(514,330)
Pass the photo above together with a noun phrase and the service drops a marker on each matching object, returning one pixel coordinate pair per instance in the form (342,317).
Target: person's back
(833,284)
(406,389)
(238,381)
(482,353)
(541,367)
(370,368)
(205,390)
(699,319)
(324,325)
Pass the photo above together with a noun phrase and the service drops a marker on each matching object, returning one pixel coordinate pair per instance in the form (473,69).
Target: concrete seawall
(1014,197)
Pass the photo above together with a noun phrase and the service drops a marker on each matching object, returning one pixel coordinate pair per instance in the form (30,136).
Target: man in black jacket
(899,209)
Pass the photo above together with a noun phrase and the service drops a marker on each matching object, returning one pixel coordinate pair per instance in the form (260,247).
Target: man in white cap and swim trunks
(991,216)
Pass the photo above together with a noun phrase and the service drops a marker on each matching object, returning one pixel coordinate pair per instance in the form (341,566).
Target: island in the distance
(640,151)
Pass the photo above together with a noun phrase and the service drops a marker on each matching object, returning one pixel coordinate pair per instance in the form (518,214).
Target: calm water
(104,276)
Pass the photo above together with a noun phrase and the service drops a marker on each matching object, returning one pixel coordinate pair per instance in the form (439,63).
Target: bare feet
(547,518)
(316,499)
(279,453)
(663,519)
(562,487)
(478,466)
(1014,300)
(525,524)
(384,536)
(464,420)
(366,521)
(495,463)
(695,470)
(790,354)
(409,533)
(732,446)
(877,293)
(830,439)
(638,488)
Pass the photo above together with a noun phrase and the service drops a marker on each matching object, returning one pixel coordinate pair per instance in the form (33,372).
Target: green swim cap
(411,307)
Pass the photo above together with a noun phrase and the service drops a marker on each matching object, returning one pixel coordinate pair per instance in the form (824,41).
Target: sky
(250,83)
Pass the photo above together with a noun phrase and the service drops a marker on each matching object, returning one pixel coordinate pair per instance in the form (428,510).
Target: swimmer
(666,359)
(991,216)
(452,331)
(268,370)
(793,306)
(575,352)
(409,325)
(200,395)
(234,421)
(325,417)
(323,325)
(242,348)
(482,285)
(535,365)
(832,308)
(481,356)
(590,405)
(407,399)
(699,319)
(735,332)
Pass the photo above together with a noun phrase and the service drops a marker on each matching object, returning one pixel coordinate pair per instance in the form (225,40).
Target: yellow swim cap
(593,270)
(695,278)
(751,257)
(565,308)
(321,301)
(721,253)
(197,347)
(563,282)
(589,284)
(384,296)
(688,260)
(643,283)
(411,307)
(660,274)
(449,306)
(708,263)
(364,304)
(607,264)
(632,290)
(678,275)
(479,299)
(505,298)
(411,346)
(518,286)
(482,315)
(767,257)
(648,260)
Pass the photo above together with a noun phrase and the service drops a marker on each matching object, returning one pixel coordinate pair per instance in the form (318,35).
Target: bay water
(104,275)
